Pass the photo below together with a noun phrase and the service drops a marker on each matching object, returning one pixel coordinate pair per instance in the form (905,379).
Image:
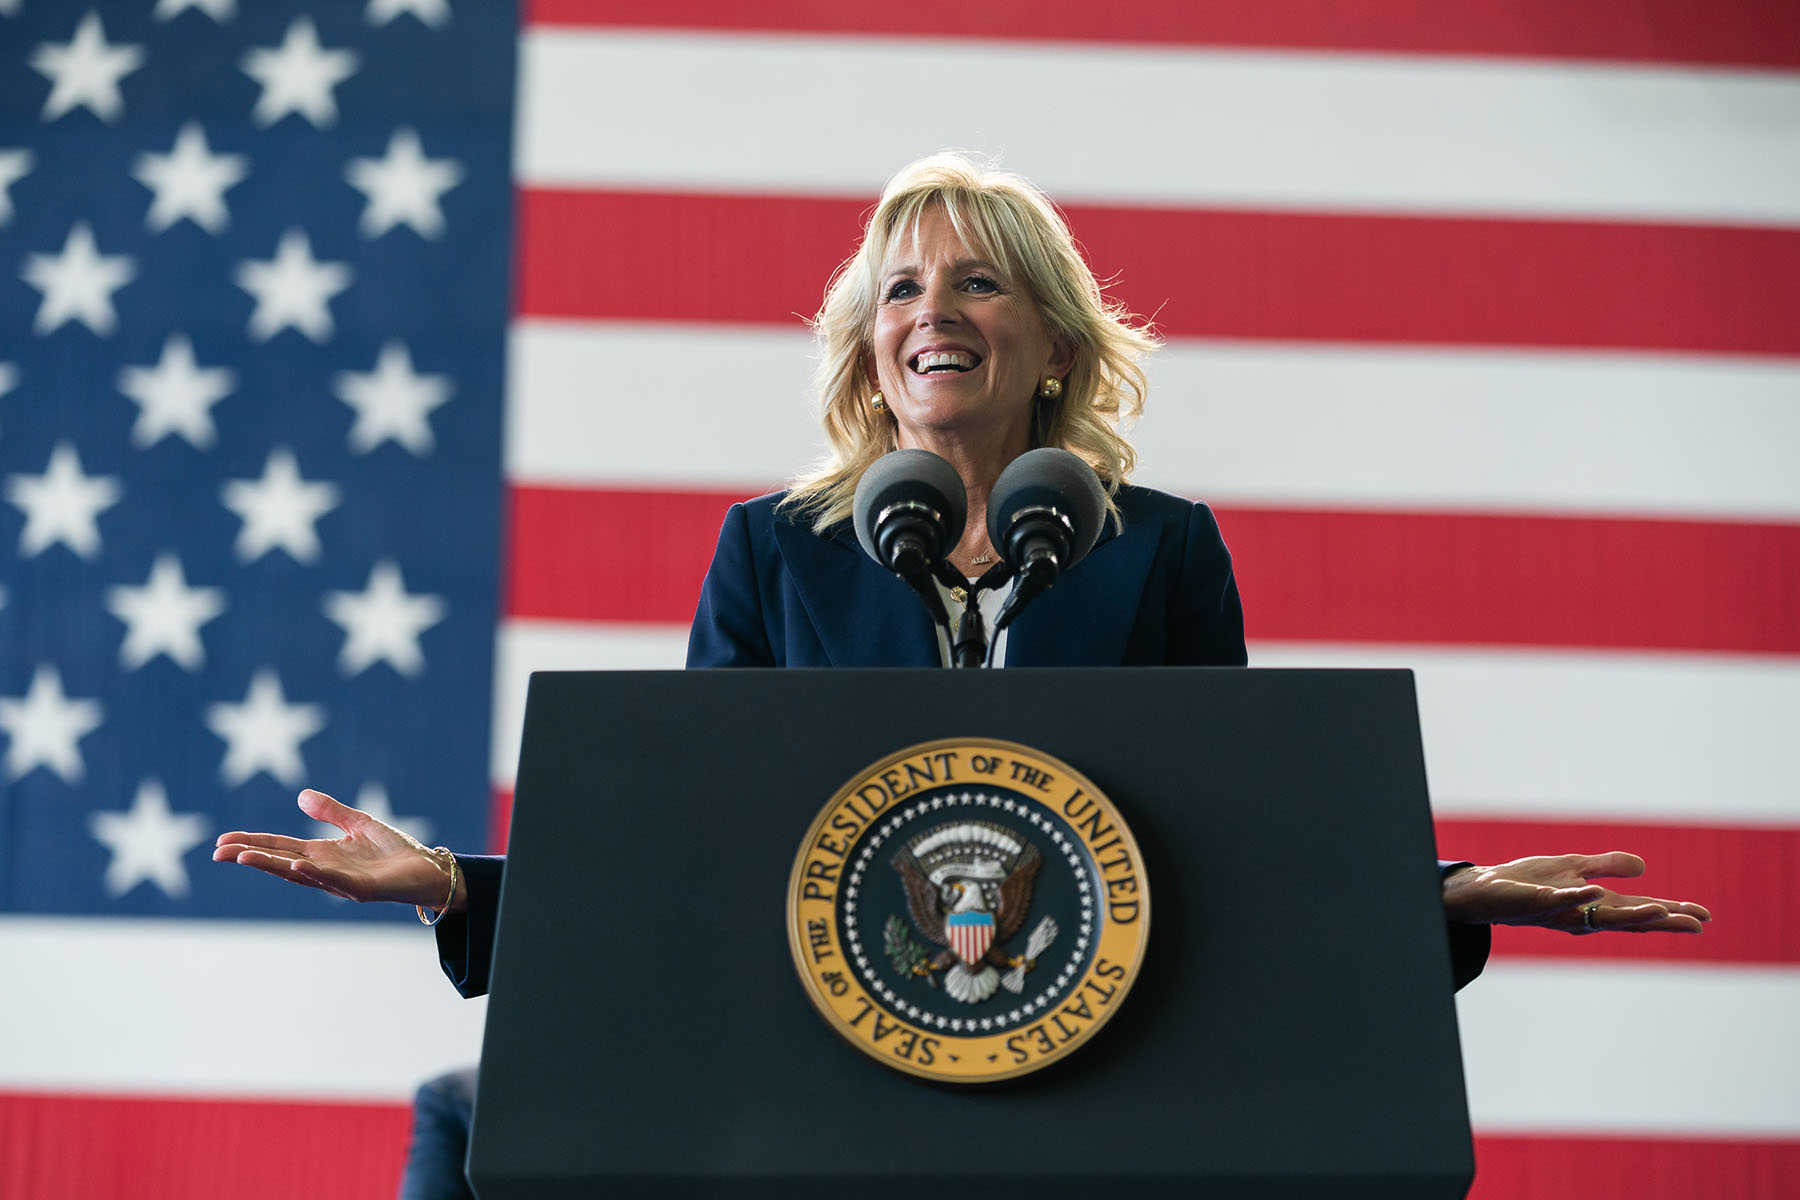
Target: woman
(966,324)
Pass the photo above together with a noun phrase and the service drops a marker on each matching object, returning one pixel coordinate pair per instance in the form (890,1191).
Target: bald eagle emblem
(968,891)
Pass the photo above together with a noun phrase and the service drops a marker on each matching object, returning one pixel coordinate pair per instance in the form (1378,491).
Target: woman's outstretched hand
(1554,891)
(372,861)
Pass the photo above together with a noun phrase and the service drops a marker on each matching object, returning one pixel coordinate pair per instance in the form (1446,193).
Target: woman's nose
(938,307)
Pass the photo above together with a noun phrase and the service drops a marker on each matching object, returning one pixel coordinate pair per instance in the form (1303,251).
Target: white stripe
(1571,736)
(521,647)
(596,402)
(298,1012)
(1632,1049)
(1420,428)
(196,1007)
(1283,423)
(1148,126)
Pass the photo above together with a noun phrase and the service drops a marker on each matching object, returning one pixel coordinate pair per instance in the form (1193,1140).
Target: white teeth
(957,359)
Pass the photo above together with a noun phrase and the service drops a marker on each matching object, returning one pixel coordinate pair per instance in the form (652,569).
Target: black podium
(1292,1032)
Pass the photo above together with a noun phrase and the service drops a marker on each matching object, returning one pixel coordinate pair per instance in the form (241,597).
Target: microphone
(1044,515)
(909,512)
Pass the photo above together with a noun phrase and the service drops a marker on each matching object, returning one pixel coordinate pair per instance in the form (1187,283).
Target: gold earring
(877,403)
(1050,388)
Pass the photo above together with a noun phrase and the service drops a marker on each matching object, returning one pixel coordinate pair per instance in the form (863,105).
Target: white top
(990,600)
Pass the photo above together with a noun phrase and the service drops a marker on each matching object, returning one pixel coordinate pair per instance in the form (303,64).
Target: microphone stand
(1045,549)
(969,646)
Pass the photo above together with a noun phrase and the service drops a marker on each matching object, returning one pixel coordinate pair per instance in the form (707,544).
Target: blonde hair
(1003,217)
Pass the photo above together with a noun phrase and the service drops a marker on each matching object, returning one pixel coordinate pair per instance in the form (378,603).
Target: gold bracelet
(448,900)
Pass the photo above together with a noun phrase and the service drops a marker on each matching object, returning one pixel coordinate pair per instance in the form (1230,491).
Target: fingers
(270,864)
(1621,917)
(1680,907)
(1570,897)
(1647,918)
(273,842)
(321,807)
(259,857)
(1673,923)
(1636,914)
(1614,864)
(294,869)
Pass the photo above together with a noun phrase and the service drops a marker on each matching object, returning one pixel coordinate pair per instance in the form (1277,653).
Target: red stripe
(144,1148)
(1701,863)
(1745,876)
(500,820)
(112,1148)
(1746,32)
(606,555)
(1205,272)
(1517,580)
(603,555)
(1650,1168)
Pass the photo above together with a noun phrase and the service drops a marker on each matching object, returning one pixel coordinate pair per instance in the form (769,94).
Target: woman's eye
(903,290)
(981,283)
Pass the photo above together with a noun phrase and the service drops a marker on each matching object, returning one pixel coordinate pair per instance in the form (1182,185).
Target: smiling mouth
(944,362)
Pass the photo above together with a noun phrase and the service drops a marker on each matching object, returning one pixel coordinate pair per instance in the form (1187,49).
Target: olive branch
(903,951)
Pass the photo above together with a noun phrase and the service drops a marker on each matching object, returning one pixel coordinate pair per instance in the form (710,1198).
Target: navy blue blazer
(1157,592)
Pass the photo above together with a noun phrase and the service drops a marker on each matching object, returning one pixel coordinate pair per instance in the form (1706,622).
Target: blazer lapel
(1086,618)
(864,616)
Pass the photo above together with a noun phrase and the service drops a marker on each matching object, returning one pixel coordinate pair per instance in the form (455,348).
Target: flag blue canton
(254,265)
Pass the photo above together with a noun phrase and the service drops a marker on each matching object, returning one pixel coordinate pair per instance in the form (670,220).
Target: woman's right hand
(372,861)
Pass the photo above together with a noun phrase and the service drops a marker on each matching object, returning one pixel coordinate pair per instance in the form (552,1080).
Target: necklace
(981,558)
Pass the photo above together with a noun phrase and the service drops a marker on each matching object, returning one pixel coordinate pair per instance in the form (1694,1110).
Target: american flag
(1484,341)
(254,307)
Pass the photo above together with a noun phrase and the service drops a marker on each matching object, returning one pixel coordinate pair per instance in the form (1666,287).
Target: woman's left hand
(1554,891)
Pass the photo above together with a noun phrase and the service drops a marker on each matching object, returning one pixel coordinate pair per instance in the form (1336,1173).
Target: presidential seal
(968,910)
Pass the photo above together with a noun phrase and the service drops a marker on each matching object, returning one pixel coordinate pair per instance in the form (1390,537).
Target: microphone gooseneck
(1044,515)
(909,512)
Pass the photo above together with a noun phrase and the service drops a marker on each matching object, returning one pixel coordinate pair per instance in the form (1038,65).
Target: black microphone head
(927,490)
(1048,478)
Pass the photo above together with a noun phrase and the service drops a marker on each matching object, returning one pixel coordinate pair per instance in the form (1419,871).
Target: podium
(1291,1034)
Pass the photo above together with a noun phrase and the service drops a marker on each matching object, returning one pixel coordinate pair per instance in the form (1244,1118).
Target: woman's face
(958,348)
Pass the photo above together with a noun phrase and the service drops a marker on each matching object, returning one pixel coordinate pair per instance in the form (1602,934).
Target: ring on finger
(1587,915)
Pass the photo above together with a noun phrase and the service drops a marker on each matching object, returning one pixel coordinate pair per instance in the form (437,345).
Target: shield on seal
(971,933)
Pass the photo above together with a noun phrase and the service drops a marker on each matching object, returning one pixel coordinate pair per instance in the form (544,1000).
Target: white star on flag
(85,71)
(292,289)
(164,616)
(264,732)
(392,402)
(279,510)
(372,798)
(434,13)
(147,842)
(14,166)
(382,623)
(298,76)
(78,283)
(45,726)
(189,181)
(403,187)
(176,396)
(219,10)
(62,504)
(9,377)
